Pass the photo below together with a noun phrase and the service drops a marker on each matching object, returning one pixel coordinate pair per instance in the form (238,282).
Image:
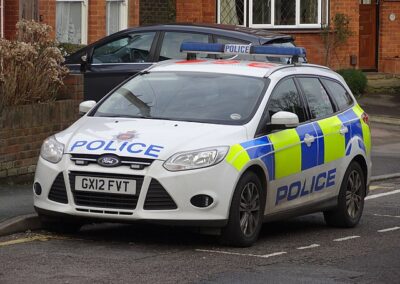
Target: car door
(331,134)
(295,151)
(112,62)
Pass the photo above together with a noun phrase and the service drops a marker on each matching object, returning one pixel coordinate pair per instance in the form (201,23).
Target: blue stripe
(348,151)
(309,154)
(346,118)
(321,145)
(361,145)
(258,141)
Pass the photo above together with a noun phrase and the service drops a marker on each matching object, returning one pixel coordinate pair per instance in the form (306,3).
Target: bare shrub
(31,69)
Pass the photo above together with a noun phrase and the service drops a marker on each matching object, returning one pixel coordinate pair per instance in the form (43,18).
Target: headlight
(52,150)
(196,159)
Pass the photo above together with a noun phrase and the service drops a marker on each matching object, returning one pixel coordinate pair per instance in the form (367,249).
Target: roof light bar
(218,48)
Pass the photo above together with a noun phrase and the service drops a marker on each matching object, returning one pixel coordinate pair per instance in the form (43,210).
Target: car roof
(258,36)
(243,68)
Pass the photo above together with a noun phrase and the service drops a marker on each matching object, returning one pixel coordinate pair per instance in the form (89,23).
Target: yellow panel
(365,128)
(287,148)
(334,142)
(237,157)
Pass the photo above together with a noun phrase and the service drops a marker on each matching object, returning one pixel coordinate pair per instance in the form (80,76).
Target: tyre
(54,225)
(246,212)
(350,206)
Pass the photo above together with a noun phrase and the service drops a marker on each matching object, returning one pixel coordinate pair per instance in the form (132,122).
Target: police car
(212,143)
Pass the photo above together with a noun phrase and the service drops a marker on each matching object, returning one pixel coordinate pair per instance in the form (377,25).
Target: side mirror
(83,63)
(284,119)
(86,106)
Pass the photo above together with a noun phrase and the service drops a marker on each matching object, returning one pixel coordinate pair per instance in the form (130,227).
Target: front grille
(58,192)
(105,200)
(134,163)
(157,198)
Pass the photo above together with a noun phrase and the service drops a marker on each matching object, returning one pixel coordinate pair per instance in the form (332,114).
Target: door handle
(309,139)
(343,130)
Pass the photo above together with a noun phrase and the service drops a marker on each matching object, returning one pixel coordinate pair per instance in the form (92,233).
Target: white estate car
(211,143)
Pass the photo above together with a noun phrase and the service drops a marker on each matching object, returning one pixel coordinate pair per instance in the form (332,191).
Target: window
(285,97)
(317,98)
(274,13)
(172,44)
(134,48)
(117,15)
(187,96)
(232,12)
(71,21)
(339,93)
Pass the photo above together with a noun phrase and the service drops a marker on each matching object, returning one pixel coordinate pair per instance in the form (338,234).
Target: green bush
(69,48)
(355,79)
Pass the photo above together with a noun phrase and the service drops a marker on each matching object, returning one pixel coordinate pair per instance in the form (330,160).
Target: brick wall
(157,11)
(96,20)
(389,38)
(11,17)
(23,129)
(196,11)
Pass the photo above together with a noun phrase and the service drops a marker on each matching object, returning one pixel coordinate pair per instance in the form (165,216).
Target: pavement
(16,200)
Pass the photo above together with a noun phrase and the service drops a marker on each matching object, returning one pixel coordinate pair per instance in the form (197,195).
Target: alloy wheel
(249,209)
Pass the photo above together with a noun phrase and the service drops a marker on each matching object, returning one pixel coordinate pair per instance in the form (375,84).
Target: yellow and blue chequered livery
(297,155)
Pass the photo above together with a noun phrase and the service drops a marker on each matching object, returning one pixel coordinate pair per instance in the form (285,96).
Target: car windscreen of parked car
(186,96)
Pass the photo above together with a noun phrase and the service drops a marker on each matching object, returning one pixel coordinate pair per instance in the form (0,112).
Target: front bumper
(218,182)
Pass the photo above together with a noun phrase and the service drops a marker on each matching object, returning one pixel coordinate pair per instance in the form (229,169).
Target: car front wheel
(246,212)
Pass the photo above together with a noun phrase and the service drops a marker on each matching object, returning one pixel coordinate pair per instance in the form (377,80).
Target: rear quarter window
(339,94)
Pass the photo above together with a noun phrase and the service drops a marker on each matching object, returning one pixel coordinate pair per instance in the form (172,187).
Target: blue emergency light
(193,48)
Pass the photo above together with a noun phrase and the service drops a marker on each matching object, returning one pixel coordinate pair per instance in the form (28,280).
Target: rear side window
(285,97)
(339,93)
(171,46)
(318,100)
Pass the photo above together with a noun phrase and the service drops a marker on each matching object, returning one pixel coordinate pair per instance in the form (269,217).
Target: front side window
(274,13)
(187,96)
(318,100)
(71,21)
(133,48)
(171,45)
(285,97)
(116,15)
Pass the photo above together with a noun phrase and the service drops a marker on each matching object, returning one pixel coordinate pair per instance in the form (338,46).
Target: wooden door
(368,38)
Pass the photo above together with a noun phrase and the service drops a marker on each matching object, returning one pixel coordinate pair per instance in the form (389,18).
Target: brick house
(373,45)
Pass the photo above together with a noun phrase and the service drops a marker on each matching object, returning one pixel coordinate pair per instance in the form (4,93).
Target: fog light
(201,200)
(37,188)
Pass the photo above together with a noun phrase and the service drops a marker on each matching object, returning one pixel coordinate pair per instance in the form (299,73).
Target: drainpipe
(2,18)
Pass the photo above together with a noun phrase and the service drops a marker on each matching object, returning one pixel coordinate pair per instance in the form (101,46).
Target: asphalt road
(385,154)
(301,250)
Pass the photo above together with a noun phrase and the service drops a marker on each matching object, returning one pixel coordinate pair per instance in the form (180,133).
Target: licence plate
(106,185)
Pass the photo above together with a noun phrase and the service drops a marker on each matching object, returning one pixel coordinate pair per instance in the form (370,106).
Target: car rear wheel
(246,212)
(351,199)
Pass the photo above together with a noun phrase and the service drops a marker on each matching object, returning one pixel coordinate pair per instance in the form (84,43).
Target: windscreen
(186,96)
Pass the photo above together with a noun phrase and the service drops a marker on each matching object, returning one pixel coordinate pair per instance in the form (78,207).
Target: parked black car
(114,58)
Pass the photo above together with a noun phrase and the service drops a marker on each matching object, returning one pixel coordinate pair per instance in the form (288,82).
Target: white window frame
(244,13)
(84,20)
(298,25)
(123,12)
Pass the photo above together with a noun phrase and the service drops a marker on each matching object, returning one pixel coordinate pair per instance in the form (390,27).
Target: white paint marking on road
(383,215)
(375,187)
(309,247)
(382,194)
(388,230)
(242,254)
(346,238)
